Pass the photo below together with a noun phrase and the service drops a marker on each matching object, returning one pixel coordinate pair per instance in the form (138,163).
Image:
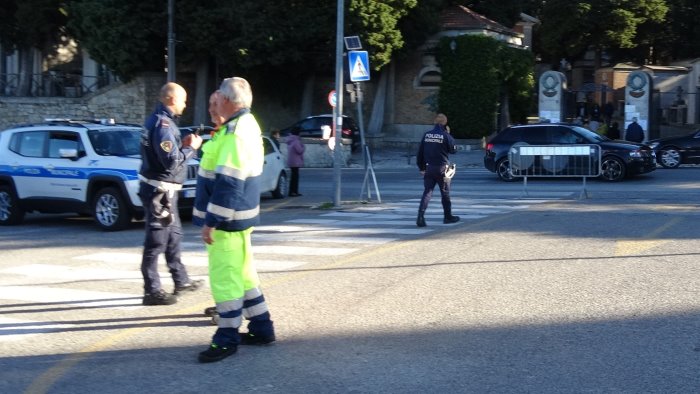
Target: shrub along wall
(478,78)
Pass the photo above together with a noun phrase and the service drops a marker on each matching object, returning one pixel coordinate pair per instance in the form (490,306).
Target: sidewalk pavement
(400,158)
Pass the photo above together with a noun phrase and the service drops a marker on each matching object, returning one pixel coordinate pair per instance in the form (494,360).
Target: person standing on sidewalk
(295,159)
(634,132)
(163,170)
(433,163)
(227,206)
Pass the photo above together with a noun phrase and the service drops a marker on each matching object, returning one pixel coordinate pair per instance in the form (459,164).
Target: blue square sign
(358,64)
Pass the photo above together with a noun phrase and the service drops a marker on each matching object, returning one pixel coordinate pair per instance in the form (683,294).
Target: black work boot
(256,340)
(216,353)
(159,298)
(450,219)
(420,222)
(188,287)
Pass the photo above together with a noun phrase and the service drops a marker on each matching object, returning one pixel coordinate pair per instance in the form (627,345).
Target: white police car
(86,167)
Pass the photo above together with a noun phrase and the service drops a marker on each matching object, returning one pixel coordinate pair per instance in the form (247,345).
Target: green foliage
(473,78)
(296,37)
(130,36)
(570,28)
(32,24)
(519,82)
(377,24)
(420,23)
(8,24)
(659,42)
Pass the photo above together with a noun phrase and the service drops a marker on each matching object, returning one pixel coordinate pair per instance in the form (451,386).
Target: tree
(377,23)
(28,25)
(420,22)
(570,28)
(129,36)
(667,40)
(683,30)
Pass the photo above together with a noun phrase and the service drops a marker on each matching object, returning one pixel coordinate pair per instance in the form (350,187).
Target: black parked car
(619,158)
(311,127)
(671,152)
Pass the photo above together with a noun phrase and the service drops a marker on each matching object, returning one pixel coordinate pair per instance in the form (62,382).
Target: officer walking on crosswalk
(434,166)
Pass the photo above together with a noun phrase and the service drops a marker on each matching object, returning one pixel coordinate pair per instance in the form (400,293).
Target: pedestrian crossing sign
(358,62)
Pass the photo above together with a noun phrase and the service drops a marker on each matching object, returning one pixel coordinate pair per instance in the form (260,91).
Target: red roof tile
(462,18)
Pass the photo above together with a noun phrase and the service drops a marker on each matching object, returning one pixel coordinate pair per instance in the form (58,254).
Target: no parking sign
(332,98)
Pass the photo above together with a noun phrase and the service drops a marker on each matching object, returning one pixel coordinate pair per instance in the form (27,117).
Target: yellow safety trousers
(231,269)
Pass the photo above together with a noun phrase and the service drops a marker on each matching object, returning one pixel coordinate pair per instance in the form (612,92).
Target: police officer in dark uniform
(163,170)
(433,163)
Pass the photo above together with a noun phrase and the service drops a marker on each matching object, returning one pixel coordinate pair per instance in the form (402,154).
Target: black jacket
(162,156)
(435,147)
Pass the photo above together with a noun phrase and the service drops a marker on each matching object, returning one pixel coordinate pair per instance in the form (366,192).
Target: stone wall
(125,102)
(410,108)
(318,155)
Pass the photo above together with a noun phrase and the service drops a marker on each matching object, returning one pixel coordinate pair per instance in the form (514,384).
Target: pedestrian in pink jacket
(295,159)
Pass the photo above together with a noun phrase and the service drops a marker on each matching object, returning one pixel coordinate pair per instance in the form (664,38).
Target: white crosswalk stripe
(286,246)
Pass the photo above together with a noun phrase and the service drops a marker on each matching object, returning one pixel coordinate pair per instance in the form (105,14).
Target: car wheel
(670,157)
(503,170)
(613,169)
(110,210)
(282,188)
(10,210)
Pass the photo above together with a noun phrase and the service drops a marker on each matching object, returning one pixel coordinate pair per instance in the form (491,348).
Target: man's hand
(192,140)
(206,235)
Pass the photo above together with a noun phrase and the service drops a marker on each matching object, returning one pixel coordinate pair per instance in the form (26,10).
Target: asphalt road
(531,292)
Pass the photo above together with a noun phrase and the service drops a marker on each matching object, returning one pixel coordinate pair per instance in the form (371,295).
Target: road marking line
(633,247)
(267,238)
(85,298)
(367,231)
(357,223)
(277,265)
(71,273)
(15,329)
(301,250)
(45,381)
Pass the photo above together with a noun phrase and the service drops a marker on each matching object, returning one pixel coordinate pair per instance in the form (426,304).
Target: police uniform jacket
(162,157)
(228,181)
(435,147)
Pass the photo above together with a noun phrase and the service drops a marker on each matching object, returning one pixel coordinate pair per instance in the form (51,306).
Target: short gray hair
(237,90)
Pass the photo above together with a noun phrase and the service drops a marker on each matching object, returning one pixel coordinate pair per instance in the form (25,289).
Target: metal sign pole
(338,109)
(171,41)
(369,169)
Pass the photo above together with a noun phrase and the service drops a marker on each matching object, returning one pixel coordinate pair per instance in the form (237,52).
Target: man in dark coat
(634,132)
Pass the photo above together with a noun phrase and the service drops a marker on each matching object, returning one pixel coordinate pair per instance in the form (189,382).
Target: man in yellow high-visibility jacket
(227,207)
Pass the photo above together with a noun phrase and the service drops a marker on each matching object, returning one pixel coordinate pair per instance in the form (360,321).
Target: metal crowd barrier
(549,161)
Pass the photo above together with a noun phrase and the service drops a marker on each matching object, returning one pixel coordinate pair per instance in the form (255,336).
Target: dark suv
(619,158)
(311,127)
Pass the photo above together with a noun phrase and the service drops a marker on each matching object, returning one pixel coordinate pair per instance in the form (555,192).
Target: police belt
(169,186)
